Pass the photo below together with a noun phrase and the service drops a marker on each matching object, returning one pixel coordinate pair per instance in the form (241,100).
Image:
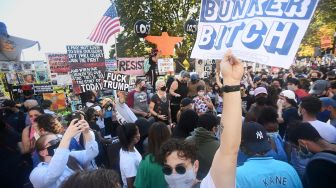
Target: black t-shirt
(182,89)
(161,107)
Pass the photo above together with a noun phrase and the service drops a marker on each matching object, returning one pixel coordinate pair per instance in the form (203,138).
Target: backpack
(146,65)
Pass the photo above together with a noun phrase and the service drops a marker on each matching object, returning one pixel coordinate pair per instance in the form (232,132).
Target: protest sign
(61,79)
(87,64)
(116,81)
(326,42)
(165,65)
(267,32)
(58,100)
(42,88)
(131,66)
(58,63)
(111,65)
(204,67)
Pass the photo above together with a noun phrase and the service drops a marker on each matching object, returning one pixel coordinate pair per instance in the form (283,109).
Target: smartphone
(76,115)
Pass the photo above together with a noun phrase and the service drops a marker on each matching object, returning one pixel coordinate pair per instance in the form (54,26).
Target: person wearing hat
(195,81)
(259,170)
(186,104)
(178,90)
(309,108)
(261,100)
(329,106)
(320,88)
(320,170)
(137,99)
(287,110)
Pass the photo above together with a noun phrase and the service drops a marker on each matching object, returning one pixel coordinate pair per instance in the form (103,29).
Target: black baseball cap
(186,101)
(8,103)
(255,138)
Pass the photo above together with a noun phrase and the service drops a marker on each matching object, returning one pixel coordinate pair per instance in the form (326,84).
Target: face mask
(273,134)
(163,88)
(261,100)
(143,88)
(304,153)
(251,92)
(201,93)
(290,87)
(185,180)
(314,79)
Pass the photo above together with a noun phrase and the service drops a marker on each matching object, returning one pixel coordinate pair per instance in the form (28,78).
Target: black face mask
(261,100)
(314,79)
(53,146)
(143,88)
(163,88)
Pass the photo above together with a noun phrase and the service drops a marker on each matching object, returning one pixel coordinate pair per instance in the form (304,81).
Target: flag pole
(115,46)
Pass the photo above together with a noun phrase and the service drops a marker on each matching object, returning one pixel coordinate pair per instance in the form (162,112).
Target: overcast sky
(54,23)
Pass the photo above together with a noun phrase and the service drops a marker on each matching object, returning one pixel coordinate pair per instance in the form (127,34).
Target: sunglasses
(167,170)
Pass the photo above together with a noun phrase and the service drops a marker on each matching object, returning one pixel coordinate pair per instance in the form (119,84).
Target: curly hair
(185,150)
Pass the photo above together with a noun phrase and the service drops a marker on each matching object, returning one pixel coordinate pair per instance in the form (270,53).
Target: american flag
(107,26)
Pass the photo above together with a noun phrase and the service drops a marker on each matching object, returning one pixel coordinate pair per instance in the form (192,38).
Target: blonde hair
(158,82)
(30,103)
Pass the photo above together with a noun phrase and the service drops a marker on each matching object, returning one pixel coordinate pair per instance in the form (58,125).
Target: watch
(228,89)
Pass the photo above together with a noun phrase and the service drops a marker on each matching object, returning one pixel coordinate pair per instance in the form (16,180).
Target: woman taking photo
(159,103)
(129,156)
(150,172)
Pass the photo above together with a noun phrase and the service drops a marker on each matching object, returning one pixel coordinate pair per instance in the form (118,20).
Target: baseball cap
(288,94)
(255,138)
(326,101)
(185,74)
(8,103)
(318,87)
(194,77)
(186,101)
(260,90)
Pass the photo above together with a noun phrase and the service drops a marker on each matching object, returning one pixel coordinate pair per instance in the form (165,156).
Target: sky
(54,23)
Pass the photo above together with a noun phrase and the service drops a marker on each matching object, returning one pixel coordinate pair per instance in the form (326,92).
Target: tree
(323,24)
(170,14)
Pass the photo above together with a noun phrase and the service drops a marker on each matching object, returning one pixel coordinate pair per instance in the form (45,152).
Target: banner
(116,81)
(58,100)
(87,65)
(131,66)
(204,67)
(165,65)
(266,32)
(111,65)
(43,88)
(58,63)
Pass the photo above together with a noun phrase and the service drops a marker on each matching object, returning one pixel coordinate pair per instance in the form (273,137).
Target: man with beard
(261,99)
(178,90)
(137,99)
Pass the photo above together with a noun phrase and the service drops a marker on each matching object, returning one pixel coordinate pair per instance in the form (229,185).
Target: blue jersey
(267,172)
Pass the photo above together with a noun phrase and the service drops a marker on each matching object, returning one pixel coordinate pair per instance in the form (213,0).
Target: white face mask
(185,180)
(290,87)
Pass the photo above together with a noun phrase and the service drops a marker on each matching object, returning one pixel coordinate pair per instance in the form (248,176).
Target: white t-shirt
(327,131)
(207,182)
(129,163)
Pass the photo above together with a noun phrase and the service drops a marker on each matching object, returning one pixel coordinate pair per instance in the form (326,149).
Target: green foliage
(170,14)
(323,24)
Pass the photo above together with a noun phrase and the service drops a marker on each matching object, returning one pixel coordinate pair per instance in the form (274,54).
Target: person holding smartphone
(58,162)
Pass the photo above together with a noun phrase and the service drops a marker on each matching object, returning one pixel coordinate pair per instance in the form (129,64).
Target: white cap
(289,94)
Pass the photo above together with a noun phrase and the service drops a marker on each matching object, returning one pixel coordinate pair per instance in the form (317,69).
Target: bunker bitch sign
(263,31)
(87,64)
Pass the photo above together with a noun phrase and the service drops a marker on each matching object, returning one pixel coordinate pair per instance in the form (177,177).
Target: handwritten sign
(165,65)
(116,81)
(87,65)
(58,63)
(131,66)
(267,32)
(111,65)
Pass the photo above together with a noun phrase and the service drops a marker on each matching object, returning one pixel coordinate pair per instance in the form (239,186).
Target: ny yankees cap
(254,138)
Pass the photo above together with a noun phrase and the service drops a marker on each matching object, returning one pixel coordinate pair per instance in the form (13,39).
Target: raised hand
(232,69)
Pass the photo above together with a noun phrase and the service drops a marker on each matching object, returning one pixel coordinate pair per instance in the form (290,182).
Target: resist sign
(263,31)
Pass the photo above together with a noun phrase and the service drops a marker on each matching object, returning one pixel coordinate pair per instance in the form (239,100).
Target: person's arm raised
(223,168)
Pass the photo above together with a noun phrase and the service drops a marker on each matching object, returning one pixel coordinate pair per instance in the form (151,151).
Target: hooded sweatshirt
(207,145)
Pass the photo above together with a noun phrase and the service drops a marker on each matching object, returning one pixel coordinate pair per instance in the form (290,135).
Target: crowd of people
(240,128)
